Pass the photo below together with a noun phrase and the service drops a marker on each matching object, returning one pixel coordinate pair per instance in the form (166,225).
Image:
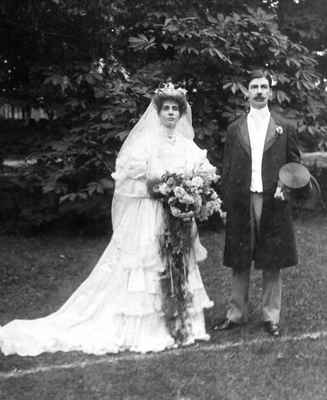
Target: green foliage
(92,65)
(211,51)
(90,100)
(304,22)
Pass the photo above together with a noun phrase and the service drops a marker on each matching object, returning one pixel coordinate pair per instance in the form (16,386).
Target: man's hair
(257,74)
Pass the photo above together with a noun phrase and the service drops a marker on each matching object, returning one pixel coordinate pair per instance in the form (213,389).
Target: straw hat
(303,186)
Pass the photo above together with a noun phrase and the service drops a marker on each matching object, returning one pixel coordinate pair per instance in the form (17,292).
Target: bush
(92,65)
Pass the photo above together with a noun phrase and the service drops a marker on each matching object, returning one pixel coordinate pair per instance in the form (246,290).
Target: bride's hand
(187,217)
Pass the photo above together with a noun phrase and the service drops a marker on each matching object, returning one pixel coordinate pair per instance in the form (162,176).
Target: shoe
(225,325)
(272,328)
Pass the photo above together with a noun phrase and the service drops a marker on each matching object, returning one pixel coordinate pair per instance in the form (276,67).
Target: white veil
(146,130)
(140,144)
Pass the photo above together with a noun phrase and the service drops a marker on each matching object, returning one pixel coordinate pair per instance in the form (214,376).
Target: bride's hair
(159,100)
(168,92)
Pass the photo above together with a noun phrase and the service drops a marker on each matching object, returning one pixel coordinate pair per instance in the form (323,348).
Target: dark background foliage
(92,66)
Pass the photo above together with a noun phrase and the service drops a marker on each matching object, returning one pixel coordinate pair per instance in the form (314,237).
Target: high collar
(168,135)
(262,113)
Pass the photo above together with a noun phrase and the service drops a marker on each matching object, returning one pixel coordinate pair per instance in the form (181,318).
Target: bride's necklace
(169,135)
(171,138)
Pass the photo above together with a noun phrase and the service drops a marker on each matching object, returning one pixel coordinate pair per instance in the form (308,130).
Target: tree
(94,64)
(303,21)
(210,47)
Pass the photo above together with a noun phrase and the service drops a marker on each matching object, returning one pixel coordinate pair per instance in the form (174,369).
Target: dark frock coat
(275,247)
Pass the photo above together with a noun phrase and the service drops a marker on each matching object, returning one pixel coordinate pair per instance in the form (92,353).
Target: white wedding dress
(119,306)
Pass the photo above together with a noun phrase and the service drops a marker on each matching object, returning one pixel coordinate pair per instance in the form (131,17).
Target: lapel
(243,134)
(271,134)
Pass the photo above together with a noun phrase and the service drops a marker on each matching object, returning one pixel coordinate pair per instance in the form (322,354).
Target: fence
(17,112)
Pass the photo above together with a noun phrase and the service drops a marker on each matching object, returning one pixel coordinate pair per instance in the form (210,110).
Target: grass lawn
(39,273)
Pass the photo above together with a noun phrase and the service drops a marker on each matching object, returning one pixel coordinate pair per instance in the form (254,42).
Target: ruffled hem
(143,304)
(125,333)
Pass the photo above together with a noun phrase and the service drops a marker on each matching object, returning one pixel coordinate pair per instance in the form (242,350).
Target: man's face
(259,92)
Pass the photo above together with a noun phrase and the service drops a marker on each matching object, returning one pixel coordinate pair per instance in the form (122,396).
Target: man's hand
(281,193)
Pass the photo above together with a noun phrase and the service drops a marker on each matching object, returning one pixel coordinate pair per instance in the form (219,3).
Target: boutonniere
(279,130)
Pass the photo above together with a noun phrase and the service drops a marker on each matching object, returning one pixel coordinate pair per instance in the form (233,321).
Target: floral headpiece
(168,89)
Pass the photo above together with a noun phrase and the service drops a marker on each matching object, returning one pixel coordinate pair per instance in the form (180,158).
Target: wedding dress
(119,306)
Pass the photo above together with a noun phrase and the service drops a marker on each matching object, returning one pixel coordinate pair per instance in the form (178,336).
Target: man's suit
(258,227)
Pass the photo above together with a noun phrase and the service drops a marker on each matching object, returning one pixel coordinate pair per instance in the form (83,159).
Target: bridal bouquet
(185,198)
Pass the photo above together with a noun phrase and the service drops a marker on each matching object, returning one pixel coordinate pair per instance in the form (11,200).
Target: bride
(119,306)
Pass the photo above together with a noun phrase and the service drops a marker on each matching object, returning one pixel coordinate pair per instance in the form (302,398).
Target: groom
(259,226)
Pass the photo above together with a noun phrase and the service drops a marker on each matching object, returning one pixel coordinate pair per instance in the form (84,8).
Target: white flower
(197,181)
(187,199)
(175,211)
(214,196)
(179,192)
(279,130)
(164,189)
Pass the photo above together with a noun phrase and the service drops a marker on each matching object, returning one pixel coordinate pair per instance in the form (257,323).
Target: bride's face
(169,114)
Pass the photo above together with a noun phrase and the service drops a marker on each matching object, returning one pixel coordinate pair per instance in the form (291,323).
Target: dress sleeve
(205,165)
(130,174)
(133,167)
(201,162)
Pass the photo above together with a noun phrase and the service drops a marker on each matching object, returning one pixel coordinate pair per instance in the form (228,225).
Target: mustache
(259,98)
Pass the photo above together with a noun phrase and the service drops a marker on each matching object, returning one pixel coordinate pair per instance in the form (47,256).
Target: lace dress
(118,307)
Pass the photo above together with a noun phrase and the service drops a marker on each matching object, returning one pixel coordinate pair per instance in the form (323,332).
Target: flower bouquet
(185,198)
